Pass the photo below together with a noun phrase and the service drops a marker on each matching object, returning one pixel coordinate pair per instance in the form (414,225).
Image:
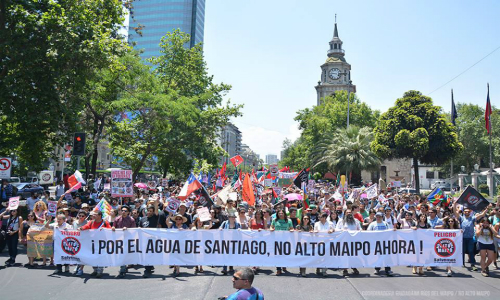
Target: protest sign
(40,242)
(470,198)
(268,182)
(145,246)
(152,185)
(52,208)
(204,214)
(285,182)
(14,203)
(164,182)
(274,170)
(172,205)
(372,191)
(121,183)
(46,177)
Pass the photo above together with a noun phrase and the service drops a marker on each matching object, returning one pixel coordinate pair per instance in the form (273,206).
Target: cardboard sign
(52,208)
(172,205)
(285,182)
(46,177)
(164,182)
(204,214)
(152,185)
(121,183)
(14,203)
(396,184)
(274,170)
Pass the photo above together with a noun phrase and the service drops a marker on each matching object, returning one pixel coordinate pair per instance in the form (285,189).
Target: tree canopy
(415,128)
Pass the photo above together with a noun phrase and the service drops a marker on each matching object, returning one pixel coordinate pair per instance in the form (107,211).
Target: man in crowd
(123,221)
(379,225)
(150,221)
(97,223)
(242,281)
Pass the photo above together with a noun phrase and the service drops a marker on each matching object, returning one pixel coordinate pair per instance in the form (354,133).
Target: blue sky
(270,51)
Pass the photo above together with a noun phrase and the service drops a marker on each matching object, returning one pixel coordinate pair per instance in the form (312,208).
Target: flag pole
(491,158)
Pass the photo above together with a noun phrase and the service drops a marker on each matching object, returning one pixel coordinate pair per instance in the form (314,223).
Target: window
(441,175)
(335,46)
(429,174)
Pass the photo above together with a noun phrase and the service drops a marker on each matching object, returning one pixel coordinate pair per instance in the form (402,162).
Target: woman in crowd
(485,234)
(230,223)
(407,222)
(179,223)
(81,220)
(305,226)
(258,222)
(281,223)
(450,223)
(421,224)
(199,225)
(242,218)
(334,218)
(25,226)
(14,222)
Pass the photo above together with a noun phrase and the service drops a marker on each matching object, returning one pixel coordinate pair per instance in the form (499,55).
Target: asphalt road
(18,282)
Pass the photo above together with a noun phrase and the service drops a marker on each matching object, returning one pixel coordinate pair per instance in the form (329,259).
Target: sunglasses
(236,278)
(178,219)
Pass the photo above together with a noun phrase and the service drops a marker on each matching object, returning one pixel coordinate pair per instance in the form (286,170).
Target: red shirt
(255,226)
(94,225)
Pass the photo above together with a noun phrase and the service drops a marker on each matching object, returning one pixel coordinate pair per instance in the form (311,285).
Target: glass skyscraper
(157,17)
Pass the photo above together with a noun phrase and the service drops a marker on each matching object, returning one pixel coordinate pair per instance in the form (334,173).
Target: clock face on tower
(334,73)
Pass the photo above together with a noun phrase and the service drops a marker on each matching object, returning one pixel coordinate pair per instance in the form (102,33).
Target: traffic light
(79,144)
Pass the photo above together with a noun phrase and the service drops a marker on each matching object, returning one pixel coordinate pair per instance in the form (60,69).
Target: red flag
(236,160)
(248,194)
(222,173)
(75,181)
(487,113)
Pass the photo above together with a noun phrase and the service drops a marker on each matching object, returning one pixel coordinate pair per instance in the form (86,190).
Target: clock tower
(335,72)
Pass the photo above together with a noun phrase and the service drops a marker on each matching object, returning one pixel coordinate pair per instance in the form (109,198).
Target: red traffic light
(78,138)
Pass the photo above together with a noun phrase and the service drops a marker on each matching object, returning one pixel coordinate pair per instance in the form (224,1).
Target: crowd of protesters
(325,213)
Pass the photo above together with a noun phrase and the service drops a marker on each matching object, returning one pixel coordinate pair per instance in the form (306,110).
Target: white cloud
(266,141)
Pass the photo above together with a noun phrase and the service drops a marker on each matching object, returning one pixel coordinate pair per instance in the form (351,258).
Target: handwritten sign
(13,203)
(204,214)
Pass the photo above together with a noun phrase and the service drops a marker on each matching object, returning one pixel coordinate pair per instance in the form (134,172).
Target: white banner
(254,248)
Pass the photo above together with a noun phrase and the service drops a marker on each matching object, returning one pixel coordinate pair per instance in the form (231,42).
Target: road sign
(5,167)
(274,170)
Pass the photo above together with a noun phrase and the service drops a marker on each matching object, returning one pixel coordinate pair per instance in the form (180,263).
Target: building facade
(157,17)
(271,159)
(335,72)
(230,140)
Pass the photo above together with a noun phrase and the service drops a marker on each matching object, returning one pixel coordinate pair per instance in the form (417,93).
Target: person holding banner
(230,223)
(151,220)
(380,225)
(123,222)
(305,226)
(13,226)
(179,224)
(61,225)
(199,225)
(97,223)
(349,223)
(323,225)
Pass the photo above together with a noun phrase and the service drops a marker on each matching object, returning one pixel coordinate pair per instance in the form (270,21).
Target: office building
(271,159)
(157,17)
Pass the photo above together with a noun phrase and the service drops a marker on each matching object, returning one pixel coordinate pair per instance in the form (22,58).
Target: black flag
(472,199)
(301,177)
(454,114)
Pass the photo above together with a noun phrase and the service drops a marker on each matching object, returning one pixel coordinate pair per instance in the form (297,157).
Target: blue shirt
(434,222)
(244,294)
(468,225)
(374,226)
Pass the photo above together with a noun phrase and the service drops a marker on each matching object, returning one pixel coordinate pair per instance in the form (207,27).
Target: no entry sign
(5,167)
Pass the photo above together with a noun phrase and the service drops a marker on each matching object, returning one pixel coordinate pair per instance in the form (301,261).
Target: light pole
(348,94)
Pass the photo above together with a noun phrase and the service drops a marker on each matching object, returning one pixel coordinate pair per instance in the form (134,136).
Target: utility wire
(465,70)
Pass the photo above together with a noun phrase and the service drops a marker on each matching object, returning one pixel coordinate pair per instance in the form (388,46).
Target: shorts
(482,246)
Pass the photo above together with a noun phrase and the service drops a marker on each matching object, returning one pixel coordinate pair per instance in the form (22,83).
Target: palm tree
(348,150)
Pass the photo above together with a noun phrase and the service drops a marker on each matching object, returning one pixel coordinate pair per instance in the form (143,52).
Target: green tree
(322,121)
(348,150)
(415,128)
(175,107)
(48,51)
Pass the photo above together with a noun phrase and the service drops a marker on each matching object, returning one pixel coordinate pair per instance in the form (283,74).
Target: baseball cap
(379,214)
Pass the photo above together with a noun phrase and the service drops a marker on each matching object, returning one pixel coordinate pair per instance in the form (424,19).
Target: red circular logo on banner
(70,245)
(444,248)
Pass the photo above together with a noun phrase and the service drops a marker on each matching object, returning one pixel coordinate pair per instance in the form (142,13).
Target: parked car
(407,191)
(439,183)
(14,180)
(24,189)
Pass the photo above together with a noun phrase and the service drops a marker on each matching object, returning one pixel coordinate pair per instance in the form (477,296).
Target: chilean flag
(191,185)
(75,181)
(487,112)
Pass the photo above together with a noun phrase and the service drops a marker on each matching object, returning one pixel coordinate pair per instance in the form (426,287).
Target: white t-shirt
(390,221)
(350,227)
(318,226)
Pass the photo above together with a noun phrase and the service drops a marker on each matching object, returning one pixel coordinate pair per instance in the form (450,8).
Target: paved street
(20,283)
